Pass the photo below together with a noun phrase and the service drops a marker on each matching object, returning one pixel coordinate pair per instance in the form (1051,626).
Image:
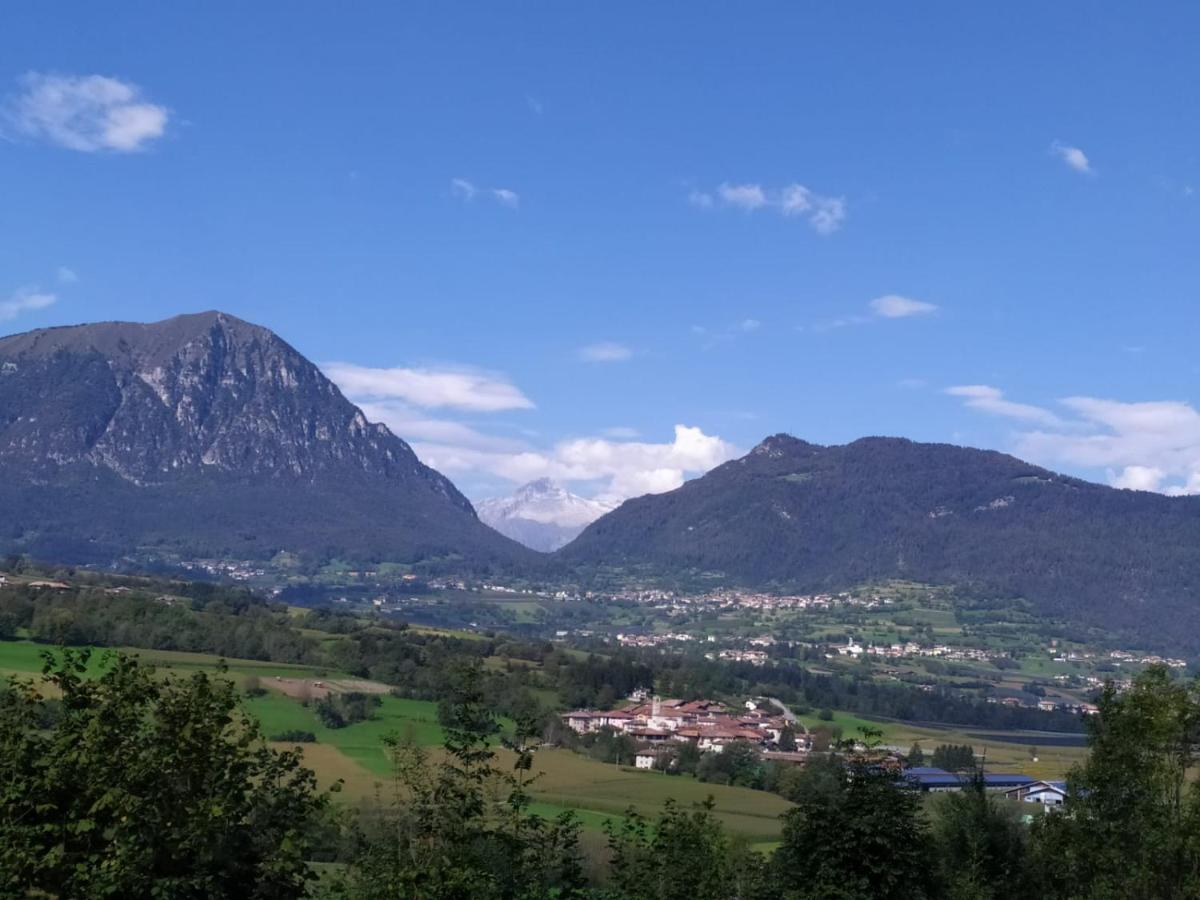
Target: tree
(738,763)
(685,855)
(916,756)
(443,837)
(1131,826)
(954,757)
(146,787)
(820,779)
(787,739)
(980,846)
(865,838)
(687,758)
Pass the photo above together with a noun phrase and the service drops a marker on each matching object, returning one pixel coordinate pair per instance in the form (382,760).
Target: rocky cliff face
(138,416)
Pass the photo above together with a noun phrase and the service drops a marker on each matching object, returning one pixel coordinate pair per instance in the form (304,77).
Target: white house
(645,760)
(1047,793)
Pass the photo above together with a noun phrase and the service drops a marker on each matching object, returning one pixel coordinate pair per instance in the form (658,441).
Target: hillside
(205,436)
(811,517)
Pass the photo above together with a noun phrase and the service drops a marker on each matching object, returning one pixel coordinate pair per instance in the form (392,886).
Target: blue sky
(618,244)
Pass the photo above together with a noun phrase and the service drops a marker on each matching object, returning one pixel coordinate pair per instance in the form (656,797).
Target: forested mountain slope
(809,516)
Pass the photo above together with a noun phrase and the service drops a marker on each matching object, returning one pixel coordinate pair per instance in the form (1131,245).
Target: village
(659,726)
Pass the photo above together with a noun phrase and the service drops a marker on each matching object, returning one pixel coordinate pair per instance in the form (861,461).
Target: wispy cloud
(893,306)
(605,351)
(505,197)
(1151,445)
(87,113)
(610,467)
(467,191)
(25,300)
(66,275)
(991,400)
(711,337)
(429,388)
(824,213)
(1073,157)
(889,306)
(742,196)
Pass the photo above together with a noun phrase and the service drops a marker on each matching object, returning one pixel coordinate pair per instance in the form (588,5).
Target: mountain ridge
(802,515)
(190,413)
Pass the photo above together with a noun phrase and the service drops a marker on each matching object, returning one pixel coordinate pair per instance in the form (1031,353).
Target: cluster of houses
(654,722)
(911,648)
(734,599)
(1116,657)
(706,723)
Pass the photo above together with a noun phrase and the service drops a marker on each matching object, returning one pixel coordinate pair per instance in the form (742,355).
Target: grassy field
(356,754)
(1010,756)
(362,742)
(572,781)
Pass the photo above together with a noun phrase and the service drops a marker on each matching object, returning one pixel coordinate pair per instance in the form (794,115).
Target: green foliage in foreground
(132,786)
(1133,828)
(146,788)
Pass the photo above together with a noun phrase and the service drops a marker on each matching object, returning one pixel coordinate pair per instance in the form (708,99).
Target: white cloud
(505,197)
(991,400)
(25,300)
(86,113)
(744,196)
(893,306)
(1073,157)
(889,306)
(829,214)
(1152,445)
(66,275)
(824,214)
(749,325)
(605,351)
(1139,478)
(466,191)
(611,467)
(535,105)
(462,189)
(429,388)
(622,468)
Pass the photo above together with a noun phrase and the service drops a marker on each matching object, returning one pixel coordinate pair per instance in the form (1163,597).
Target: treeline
(232,622)
(142,787)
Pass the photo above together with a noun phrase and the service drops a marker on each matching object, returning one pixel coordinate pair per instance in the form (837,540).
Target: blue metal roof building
(927,778)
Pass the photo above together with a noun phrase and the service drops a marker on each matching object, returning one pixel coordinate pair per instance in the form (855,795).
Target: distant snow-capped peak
(542,514)
(545,501)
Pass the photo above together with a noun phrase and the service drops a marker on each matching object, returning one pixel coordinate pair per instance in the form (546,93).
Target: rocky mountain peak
(207,390)
(205,399)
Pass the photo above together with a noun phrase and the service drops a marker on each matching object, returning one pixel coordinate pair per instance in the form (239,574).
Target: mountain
(807,516)
(542,514)
(207,436)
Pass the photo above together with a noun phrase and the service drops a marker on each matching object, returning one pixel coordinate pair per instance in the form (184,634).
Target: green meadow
(356,755)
